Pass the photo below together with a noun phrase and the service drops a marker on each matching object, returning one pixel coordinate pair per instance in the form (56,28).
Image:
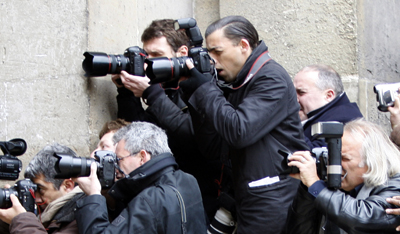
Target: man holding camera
(55,198)
(167,110)
(249,114)
(158,197)
(321,96)
(370,174)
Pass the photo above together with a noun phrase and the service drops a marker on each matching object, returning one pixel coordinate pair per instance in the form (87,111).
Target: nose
(38,198)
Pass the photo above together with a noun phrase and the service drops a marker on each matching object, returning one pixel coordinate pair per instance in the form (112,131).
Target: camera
(24,190)
(385,95)
(320,155)
(332,131)
(10,166)
(166,69)
(101,64)
(224,221)
(68,166)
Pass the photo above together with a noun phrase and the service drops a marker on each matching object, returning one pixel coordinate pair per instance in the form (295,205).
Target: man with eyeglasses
(156,195)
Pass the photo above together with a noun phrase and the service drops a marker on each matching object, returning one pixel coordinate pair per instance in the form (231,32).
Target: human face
(158,47)
(46,192)
(308,95)
(128,162)
(229,58)
(105,143)
(352,162)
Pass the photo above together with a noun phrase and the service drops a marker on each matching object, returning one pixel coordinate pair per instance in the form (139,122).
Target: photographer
(321,96)
(55,198)
(158,197)
(167,110)
(247,116)
(370,174)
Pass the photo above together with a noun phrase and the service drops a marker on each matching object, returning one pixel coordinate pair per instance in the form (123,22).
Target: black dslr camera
(24,190)
(328,160)
(101,64)
(10,166)
(69,166)
(332,131)
(166,69)
(385,95)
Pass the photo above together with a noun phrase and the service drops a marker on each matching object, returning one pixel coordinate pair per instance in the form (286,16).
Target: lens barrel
(68,166)
(101,64)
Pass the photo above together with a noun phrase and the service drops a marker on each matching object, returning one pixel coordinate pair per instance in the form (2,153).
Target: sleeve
(130,107)
(26,223)
(92,217)
(363,215)
(261,110)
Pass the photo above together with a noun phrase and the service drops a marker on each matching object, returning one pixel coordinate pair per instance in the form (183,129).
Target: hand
(136,84)
(7,215)
(90,185)
(196,79)
(307,167)
(394,201)
(116,79)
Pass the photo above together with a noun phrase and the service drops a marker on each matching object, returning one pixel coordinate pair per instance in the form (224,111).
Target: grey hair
(143,136)
(328,78)
(378,152)
(44,161)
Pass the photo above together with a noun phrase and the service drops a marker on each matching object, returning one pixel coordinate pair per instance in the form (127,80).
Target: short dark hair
(165,27)
(43,164)
(235,28)
(112,126)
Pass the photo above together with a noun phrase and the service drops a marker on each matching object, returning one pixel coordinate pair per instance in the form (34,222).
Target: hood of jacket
(144,176)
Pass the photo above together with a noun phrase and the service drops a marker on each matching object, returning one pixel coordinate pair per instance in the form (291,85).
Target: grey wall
(45,98)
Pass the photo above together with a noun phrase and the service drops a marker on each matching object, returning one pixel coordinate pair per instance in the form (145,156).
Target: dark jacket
(151,203)
(360,213)
(340,109)
(167,110)
(63,221)
(250,124)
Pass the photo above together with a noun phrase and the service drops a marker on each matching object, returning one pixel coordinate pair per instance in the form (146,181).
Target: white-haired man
(370,175)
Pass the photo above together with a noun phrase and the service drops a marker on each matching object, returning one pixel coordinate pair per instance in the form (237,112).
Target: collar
(327,106)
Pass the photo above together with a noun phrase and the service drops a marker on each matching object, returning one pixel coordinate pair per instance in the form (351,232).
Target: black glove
(195,80)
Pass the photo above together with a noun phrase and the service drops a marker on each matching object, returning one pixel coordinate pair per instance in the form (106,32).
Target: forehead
(351,145)
(156,45)
(217,40)
(305,79)
(40,180)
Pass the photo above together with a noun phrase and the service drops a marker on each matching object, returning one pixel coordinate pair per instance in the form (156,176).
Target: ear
(144,157)
(329,95)
(245,46)
(182,51)
(67,185)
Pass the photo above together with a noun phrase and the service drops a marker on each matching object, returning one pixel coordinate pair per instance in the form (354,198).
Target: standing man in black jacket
(249,114)
(321,96)
(167,110)
(370,175)
(157,196)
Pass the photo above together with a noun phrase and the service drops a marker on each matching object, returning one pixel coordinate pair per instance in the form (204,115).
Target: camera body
(10,165)
(69,166)
(24,190)
(166,69)
(321,160)
(386,94)
(101,64)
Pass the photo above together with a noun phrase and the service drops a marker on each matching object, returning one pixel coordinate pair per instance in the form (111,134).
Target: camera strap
(257,65)
(183,208)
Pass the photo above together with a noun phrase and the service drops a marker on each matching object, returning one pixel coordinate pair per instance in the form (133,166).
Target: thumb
(189,64)
(93,169)
(14,199)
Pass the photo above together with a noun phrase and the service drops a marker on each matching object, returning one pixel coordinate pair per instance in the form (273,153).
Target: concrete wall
(45,98)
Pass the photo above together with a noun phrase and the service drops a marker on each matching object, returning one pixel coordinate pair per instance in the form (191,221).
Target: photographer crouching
(370,174)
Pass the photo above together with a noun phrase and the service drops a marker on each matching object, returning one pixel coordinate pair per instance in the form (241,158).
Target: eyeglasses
(121,158)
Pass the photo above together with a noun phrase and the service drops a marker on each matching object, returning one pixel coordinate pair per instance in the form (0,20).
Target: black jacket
(357,214)
(167,110)
(340,109)
(250,124)
(152,205)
